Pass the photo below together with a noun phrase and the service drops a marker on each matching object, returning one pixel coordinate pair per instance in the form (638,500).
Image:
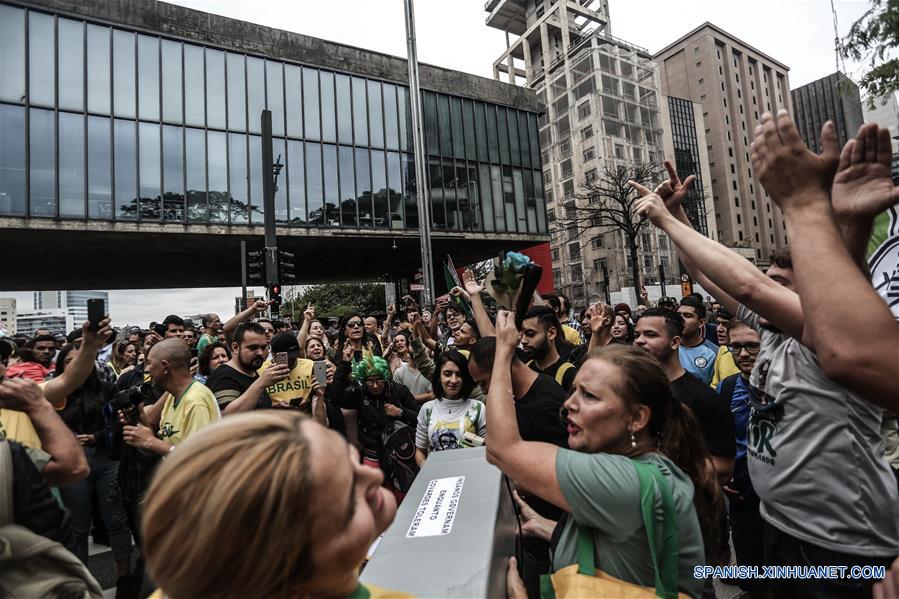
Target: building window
(590,175)
(583,111)
(586,133)
(589,154)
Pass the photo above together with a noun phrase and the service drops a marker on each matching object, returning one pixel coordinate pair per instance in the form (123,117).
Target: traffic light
(274,294)
(286,272)
(256,267)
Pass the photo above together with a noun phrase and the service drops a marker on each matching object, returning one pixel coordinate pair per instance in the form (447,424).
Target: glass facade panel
(172,87)
(195,160)
(514,146)
(329,118)
(379,188)
(463,218)
(71,165)
(484,188)
(293,103)
(217,161)
(279,156)
(404,110)
(395,190)
(456,125)
(314,188)
(125,160)
(410,191)
(444,126)
(70,57)
(530,202)
(150,171)
(492,138)
(12,160)
(42,158)
(239,198)
(502,132)
(12,55)
(99,168)
(375,115)
(391,126)
(509,198)
(194,91)
(471,152)
(344,109)
(360,122)
(450,201)
(363,188)
(432,139)
(99,81)
(480,127)
(124,96)
(518,187)
(534,142)
(172,173)
(274,85)
(257,210)
(347,186)
(332,189)
(41,60)
(435,183)
(540,201)
(148,77)
(255,93)
(215,93)
(237,92)
(496,190)
(296,180)
(311,109)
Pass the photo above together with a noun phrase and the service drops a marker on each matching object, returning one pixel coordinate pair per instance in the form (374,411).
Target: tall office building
(73,302)
(56,320)
(603,109)
(735,84)
(8,315)
(832,98)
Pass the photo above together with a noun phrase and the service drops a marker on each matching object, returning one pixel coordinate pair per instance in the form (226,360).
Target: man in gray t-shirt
(816,458)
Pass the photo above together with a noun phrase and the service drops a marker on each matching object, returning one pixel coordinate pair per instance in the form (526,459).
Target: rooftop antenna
(841,65)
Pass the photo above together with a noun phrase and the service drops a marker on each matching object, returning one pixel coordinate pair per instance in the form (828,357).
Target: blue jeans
(77,498)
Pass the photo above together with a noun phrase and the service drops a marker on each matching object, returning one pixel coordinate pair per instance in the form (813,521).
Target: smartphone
(96,311)
(281,357)
(320,372)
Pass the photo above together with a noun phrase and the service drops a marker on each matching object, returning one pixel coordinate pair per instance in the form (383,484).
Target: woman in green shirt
(621,409)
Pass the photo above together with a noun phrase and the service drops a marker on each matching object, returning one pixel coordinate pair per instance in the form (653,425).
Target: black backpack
(398,440)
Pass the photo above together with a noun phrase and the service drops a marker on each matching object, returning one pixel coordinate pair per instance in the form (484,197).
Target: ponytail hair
(675,429)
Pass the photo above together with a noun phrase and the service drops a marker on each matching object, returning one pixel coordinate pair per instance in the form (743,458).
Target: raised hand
(601,318)
(863,186)
(95,340)
(790,172)
(459,292)
(506,331)
(309,313)
(471,284)
(391,311)
(260,305)
(673,191)
(650,205)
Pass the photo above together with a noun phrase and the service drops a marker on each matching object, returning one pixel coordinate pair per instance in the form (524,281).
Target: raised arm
(388,321)
(739,279)
(473,290)
(303,333)
(531,464)
(855,336)
(56,390)
(230,326)
(67,463)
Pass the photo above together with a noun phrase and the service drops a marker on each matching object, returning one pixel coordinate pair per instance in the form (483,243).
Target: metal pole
(268,202)
(243,275)
(605,281)
(424,211)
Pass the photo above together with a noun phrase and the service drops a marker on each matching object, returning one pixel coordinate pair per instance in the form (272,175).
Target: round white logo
(700,362)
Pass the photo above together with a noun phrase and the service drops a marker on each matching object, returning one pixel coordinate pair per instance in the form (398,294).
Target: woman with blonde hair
(267,504)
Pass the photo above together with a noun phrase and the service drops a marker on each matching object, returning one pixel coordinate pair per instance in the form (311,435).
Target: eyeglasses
(751,348)
(354,323)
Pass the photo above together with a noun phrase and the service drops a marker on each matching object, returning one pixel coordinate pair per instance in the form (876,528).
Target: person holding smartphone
(295,390)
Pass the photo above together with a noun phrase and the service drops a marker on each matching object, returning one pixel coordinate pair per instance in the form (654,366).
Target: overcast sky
(799,34)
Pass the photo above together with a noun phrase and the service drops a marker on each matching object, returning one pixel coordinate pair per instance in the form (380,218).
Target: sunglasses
(354,323)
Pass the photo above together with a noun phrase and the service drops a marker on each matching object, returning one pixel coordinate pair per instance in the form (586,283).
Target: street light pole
(421,190)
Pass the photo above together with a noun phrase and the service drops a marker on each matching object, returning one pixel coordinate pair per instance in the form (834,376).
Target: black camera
(137,465)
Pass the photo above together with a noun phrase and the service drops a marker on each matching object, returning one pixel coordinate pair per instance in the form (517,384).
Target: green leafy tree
(338,299)
(871,40)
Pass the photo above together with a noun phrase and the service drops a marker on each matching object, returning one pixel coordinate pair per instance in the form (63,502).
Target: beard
(253,364)
(538,353)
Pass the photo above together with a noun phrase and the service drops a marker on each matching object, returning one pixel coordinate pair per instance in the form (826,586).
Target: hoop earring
(633,441)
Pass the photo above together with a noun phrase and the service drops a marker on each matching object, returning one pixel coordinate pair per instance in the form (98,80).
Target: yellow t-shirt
(16,426)
(180,418)
(571,335)
(298,385)
(724,366)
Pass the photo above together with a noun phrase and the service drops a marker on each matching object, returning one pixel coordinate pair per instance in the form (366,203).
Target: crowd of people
(261,458)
